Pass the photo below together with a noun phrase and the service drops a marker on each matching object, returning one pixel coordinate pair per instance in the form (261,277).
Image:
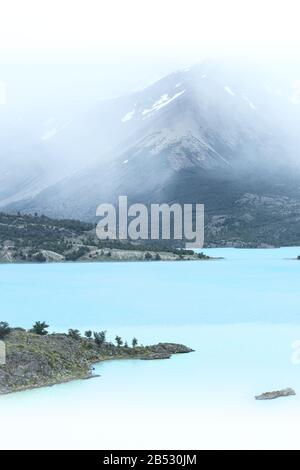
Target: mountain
(222,134)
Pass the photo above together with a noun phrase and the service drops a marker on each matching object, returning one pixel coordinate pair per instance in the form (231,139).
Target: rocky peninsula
(37,359)
(39,239)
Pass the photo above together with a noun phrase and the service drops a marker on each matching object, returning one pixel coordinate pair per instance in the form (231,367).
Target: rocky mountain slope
(215,133)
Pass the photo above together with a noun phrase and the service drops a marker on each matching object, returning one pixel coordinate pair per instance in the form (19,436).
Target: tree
(148,256)
(88,334)
(157,257)
(4,329)
(134,342)
(100,337)
(74,334)
(125,344)
(119,341)
(39,328)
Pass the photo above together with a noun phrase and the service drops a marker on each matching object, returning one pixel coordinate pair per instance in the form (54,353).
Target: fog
(60,61)
(43,98)
(59,58)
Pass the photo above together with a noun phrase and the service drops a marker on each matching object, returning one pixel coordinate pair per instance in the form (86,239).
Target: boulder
(276,394)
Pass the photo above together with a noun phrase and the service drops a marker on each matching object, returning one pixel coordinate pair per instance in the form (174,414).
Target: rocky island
(286,392)
(35,358)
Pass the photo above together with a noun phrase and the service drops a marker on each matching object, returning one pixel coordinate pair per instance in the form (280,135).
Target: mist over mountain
(219,133)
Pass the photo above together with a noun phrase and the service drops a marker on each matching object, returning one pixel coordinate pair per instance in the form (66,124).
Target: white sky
(114,29)
(127,44)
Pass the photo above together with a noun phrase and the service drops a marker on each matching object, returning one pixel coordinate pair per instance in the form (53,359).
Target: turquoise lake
(241,314)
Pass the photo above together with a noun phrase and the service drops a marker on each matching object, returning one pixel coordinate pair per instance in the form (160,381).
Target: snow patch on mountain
(229,90)
(128,116)
(251,104)
(163,101)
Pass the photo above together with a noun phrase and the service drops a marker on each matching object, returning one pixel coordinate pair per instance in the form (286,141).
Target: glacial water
(241,314)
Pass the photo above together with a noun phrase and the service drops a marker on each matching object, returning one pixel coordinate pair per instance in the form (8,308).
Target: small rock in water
(279,393)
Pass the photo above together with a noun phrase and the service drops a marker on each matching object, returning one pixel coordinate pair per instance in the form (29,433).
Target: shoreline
(34,263)
(110,255)
(36,361)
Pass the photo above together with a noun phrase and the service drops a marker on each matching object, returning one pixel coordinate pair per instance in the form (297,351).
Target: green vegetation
(38,233)
(100,338)
(202,256)
(40,328)
(75,334)
(36,359)
(39,239)
(88,334)
(43,233)
(134,342)
(4,329)
(119,341)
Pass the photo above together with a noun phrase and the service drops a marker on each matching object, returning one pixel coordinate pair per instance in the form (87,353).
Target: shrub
(74,334)
(100,337)
(39,328)
(119,341)
(4,329)
(202,255)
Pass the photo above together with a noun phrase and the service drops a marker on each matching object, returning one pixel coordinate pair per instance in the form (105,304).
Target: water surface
(241,315)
